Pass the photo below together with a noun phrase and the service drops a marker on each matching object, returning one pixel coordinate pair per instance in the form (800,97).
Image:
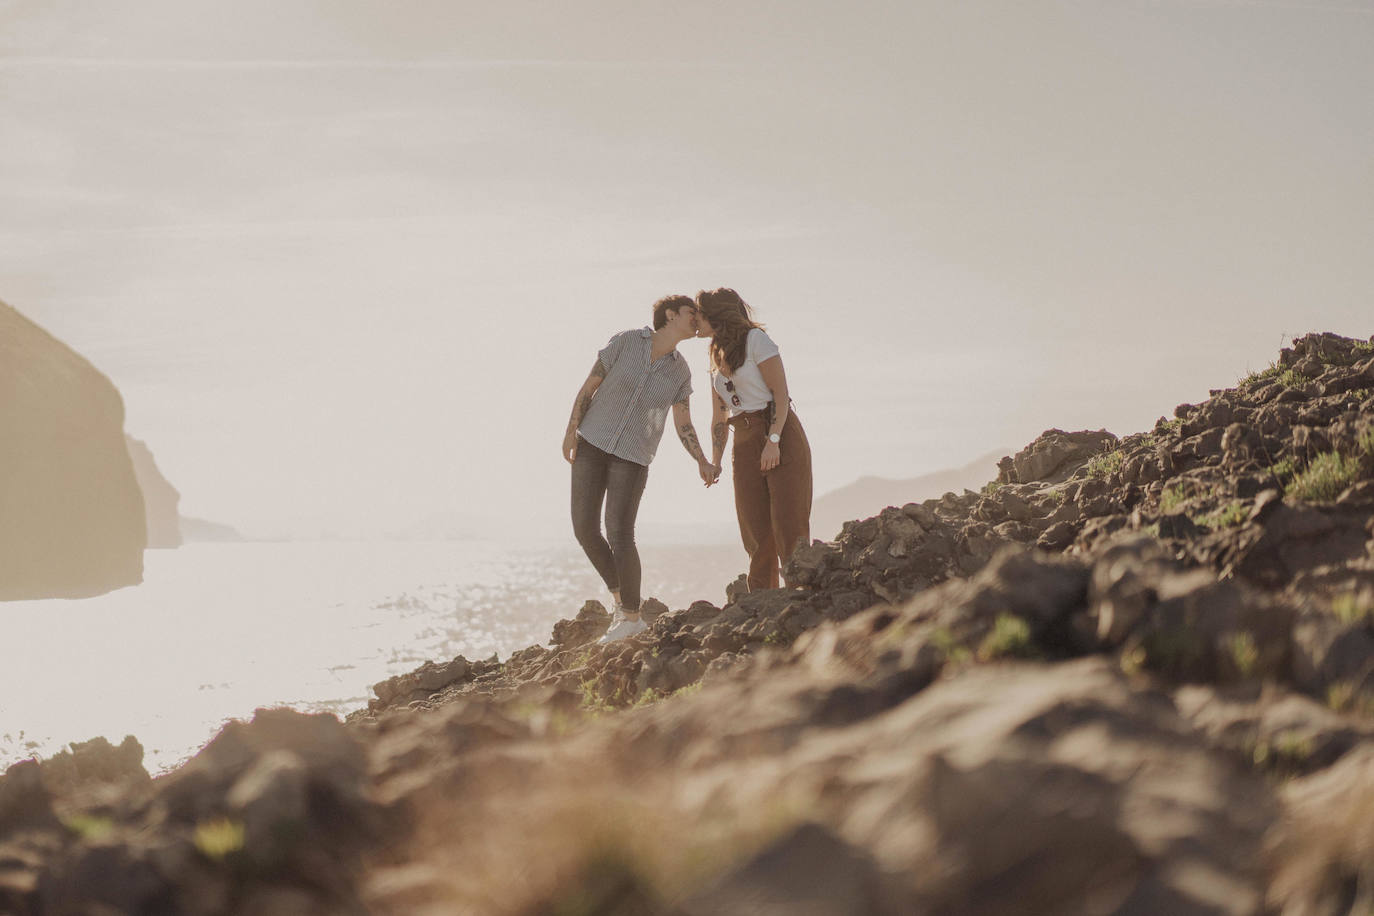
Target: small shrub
(89,827)
(1106,464)
(1366,442)
(1172,497)
(688,690)
(1285,469)
(1010,638)
(592,701)
(647,698)
(1169,426)
(1244,653)
(1325,478)
(1133,659)
(991,487)
(219,838)
(954,652)
(1262,375)
(1353,608)
(1290,378)
(1285,756)
(1227,516)
(1340,696)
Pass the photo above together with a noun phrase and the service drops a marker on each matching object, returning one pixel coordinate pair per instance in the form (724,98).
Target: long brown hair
(732,319)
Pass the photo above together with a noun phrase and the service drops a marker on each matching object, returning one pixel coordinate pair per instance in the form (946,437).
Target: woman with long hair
(771,458)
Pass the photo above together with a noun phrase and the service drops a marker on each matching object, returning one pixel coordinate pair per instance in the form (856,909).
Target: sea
(218,630)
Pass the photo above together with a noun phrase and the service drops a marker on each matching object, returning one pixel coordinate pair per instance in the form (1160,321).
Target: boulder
(73,514)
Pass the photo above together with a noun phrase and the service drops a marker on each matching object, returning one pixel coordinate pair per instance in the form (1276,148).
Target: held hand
(709,472)
(570,446)
(772,455)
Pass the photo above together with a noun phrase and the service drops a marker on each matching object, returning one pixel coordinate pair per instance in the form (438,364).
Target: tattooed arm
(720,428)
(584,401)
(682,419)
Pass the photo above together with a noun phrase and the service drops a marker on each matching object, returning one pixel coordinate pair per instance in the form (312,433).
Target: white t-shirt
(746,390)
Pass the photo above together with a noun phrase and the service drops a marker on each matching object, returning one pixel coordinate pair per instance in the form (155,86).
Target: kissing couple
(617,422)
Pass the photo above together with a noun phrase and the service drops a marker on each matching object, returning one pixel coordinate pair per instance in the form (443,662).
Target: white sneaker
(624,628)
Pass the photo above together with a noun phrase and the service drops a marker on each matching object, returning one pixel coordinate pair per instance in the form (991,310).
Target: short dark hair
(670,303)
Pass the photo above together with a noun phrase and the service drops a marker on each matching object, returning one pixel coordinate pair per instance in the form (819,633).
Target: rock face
(160,498)
(1129,676)
(73,522)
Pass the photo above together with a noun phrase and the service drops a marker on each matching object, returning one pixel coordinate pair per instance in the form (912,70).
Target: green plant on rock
(1343,696)
(1172,497)
(1291,378)
(991,487)
(954,652)
(1010,638)
(1244,653)
(1169,426)
(1133,659)
(1285,469)
(688,690)
(1353,608)
(1339,695)
(1262,375)
(1106,464)
(1324,478)
(219,838)
(648,698)
(89,827)
(1285,756)
(592,700)
(1227,516)
(1366,442)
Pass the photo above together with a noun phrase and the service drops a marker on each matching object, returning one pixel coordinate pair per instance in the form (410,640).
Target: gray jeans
(597,478)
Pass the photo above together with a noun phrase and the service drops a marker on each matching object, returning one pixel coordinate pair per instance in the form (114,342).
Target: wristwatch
(774,438)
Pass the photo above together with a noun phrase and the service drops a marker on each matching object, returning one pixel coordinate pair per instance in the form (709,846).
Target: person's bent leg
(789,491)
(625,482)
(752,502)
(589,473)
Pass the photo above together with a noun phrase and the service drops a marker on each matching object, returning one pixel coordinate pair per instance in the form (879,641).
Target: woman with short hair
(616,424)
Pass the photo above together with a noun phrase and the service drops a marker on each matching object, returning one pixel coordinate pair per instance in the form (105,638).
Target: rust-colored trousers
(774,509)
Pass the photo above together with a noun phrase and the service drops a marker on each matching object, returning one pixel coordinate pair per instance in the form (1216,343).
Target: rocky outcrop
(1131,675)
(73,513)
(160,498)
(199,529)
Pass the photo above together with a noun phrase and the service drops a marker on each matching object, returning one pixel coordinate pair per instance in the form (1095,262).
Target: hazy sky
(349,261)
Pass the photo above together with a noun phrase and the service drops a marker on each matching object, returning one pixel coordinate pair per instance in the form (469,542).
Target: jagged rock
(810,870)
(1328,651)
(1322,844)
(24,799)
(1271,729)
(1053,454)
(73,513)
(160,498)
(591,622)
(95,761)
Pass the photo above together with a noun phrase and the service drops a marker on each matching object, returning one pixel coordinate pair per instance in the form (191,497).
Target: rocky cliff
(1131,675)
(71,513)
(160,498)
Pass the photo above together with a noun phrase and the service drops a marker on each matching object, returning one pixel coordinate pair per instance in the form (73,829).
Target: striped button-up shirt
(630,407)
